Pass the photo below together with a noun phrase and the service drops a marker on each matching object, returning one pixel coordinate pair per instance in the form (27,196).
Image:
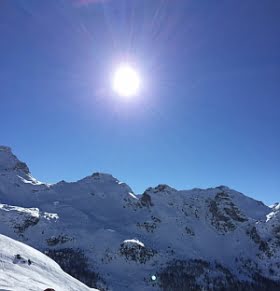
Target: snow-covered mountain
(100,232)
(23,268)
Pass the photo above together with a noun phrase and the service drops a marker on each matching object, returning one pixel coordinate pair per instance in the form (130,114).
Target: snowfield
(39,273)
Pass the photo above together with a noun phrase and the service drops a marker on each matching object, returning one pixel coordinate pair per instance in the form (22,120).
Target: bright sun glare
(126,81)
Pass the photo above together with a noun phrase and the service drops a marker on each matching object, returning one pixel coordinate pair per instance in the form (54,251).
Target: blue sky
(209,109)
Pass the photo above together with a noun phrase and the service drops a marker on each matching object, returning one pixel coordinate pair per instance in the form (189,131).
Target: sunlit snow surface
(134,241)
(42,273)
(30,211)
(31,180)
(275,211)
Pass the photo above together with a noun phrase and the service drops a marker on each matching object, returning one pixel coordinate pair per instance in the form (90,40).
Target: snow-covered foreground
(23,268)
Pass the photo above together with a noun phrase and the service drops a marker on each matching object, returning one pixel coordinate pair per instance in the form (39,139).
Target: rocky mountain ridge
(108,237)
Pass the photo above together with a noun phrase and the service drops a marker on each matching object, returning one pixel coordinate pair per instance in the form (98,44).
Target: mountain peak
(99,177)
(5,149)
(160,188)
(9,162)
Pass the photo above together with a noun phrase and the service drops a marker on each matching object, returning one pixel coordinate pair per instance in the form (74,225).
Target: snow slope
(40,273)
(99,231)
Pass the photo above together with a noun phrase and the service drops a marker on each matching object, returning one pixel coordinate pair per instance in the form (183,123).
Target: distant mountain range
(106,236)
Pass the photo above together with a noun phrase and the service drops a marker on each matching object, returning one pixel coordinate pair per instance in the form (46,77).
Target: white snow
(277,207)
(31,180)
(50,216)
(133,196)
(16,274)
(134,241)
(30,211)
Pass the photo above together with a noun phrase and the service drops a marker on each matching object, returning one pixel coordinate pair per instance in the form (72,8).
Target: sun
(126,81)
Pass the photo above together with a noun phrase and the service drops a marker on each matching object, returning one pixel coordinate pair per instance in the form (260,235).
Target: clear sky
(208,113)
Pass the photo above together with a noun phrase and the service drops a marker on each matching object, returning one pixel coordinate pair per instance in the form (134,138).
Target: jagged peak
(9,162)
(167,188)
(100,177)
(160,188)
(223,187)
(164,188)
(5,149)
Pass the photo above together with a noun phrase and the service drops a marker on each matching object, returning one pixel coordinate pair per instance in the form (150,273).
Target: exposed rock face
(213,239)
(224,214)
(146,200)
(60,239)
(27,222)
(189,231)
(136,251)
(9,162)
(262,244)
(150,225)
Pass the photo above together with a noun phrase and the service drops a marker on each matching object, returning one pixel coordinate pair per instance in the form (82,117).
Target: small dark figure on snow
(29,262)
(18,256)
